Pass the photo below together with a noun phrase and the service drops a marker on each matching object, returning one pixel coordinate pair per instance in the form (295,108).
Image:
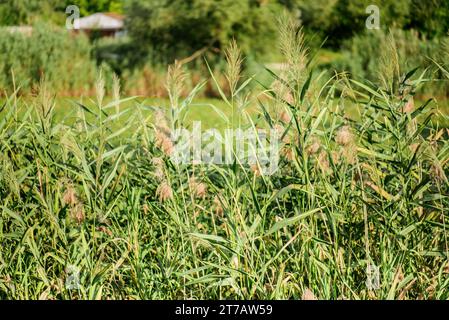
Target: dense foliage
(161,31)
(357,56)
(49,53)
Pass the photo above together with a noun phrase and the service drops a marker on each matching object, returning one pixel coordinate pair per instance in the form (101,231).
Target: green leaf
(290,221)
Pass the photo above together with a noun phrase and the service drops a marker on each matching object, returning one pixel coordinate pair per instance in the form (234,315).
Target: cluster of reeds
(98,190)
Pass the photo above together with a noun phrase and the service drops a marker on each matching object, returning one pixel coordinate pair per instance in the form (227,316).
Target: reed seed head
(164,192)
(308,295)
(77,213)
(69,197)
(100,88)
(176,78)
(164,142)
(323,162)
(234,65)
(199,189)
(218,207)
(344,136)
(285,117)
(313,147)
(409,106)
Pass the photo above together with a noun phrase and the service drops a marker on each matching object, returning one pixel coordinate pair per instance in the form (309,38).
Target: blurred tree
(18,12)
(178,28)
(431,17)
(88,7)
(348,17)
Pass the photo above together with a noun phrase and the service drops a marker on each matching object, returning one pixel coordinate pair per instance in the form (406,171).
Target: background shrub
(50,53)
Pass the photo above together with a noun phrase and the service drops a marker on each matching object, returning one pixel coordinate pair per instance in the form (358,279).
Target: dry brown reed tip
(256,170)
(323,162)
(308,295)
(218,206)
(446,268)
(164,192)
(159,168)
(77,213)
(313,147)
(409,106)
(437,173)
(145,209)
(164,142)
(199,189)
(344,136)
(105,230)
(69,197)
(285,117)
(287,152)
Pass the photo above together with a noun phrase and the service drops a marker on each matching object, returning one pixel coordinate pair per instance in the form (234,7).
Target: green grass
(200,110)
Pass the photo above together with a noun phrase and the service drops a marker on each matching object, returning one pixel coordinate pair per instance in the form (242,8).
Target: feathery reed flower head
(164,192)
(389,63)
(77,213)
(349,153)
(218,206)
(199,189)
(335,157)
(413,147)
(409,106)
(256,170)
(234,65)
(313,146)
(116,91)
(100,88)
(159,170)
(69,196)
(323,162)
(292,44)
(344,136)
(157,162)
(285,117)
(308,295)
(163,141)
(437,173)
(175,83)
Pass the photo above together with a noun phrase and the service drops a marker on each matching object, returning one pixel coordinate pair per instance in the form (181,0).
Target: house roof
(100,21)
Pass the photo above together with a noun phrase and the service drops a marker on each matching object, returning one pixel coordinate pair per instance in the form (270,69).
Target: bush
(50,53)
(360,56)
(168,30)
